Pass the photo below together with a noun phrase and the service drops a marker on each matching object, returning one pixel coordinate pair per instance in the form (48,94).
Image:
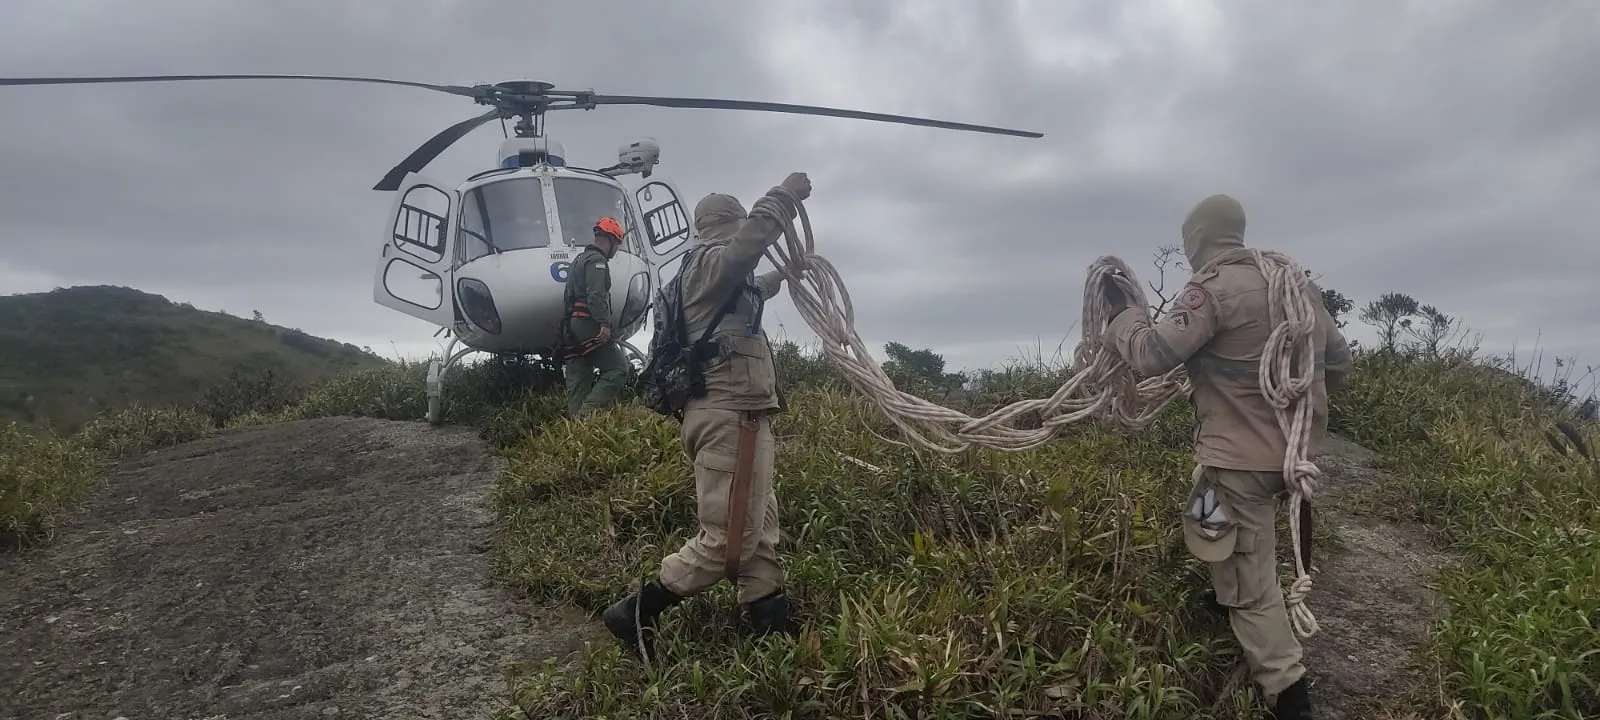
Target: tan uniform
(1218,328)
(740,380)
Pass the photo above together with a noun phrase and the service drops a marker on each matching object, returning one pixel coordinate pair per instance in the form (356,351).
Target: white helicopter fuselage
(489,259)
(527,289)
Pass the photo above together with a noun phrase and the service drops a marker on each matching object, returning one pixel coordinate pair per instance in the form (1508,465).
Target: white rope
(1290,348)
(1101,384)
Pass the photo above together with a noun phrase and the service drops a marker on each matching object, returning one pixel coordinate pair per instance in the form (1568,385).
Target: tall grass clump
(1477,454)
(41,476)
(931,586)
(507,400)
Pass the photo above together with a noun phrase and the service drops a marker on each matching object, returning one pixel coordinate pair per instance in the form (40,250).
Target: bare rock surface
(1371,597)
(335,567)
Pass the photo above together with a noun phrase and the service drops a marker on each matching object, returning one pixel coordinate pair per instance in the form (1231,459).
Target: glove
(1114,294)
(798,184)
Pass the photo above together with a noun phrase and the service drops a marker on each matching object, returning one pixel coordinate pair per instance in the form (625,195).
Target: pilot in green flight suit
(586,327)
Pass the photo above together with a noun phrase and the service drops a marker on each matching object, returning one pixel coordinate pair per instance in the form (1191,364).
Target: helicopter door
(414,266)
(668,229)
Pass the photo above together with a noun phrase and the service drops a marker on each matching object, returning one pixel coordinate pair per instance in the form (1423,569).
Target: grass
(976,585)
(937,587)
(1522,510)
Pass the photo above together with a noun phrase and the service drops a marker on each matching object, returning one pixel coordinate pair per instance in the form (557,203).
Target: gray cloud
(1442,150)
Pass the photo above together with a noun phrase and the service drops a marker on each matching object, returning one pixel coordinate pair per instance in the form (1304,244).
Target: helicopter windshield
(581,202)
(504,215)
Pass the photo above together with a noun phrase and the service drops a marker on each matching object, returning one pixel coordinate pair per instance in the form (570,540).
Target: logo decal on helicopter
(558,271)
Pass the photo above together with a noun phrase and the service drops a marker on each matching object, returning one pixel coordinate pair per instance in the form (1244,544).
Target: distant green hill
(70,353)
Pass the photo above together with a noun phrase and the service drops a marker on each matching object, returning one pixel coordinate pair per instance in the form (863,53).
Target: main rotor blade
(452,89)
(431,149)
(717,104)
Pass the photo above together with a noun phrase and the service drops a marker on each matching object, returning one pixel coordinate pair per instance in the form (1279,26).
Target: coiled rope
(1101,385)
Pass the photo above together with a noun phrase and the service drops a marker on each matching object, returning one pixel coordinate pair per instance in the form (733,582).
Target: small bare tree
(1167,256)
(1428,330)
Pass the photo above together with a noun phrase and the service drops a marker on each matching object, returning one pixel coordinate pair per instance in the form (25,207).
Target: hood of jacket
(1213,227)
(717,218)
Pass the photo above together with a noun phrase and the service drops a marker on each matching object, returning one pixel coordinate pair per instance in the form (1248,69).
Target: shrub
(138,429)
(249,390)
(41,476)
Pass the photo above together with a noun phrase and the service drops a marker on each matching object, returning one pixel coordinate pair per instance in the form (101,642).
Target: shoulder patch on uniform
(1180,319)
(1193,297)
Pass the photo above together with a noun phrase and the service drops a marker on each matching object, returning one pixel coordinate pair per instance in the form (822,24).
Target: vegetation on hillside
(72,353)
(1053,581)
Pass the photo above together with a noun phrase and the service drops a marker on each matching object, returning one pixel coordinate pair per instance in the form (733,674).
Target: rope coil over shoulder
(1102,384)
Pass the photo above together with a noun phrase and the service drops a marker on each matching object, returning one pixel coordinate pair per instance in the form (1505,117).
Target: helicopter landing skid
(437,369)
(634,357)
(436,373)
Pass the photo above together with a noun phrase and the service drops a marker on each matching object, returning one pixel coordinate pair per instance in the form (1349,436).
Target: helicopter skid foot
(633,356)
(438,366)
(435,388)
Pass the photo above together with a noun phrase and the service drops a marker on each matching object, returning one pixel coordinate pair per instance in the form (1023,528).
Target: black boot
(649,602)
(1294,703)
(770,615)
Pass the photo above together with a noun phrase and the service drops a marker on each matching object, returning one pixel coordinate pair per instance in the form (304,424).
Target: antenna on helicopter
(528,101)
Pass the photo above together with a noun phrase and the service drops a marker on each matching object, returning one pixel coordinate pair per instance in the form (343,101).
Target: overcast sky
(1446,149)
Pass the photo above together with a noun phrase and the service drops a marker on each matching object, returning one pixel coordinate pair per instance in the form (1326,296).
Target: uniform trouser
(711,438)
(585,393)
(1247,582)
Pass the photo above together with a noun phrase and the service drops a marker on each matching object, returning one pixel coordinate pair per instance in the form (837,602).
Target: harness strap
(584,348)
(579,309)
(739,494)
(1306,528)
(702,349)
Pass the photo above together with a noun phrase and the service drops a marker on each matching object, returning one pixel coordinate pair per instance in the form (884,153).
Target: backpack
(673,374)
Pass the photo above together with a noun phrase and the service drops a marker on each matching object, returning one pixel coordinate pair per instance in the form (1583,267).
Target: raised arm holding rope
(726,426)
(1252,336)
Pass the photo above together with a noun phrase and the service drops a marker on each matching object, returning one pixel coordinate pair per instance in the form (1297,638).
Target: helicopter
(486,260)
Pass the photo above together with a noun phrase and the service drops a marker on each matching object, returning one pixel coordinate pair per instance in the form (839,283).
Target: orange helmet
(609,226)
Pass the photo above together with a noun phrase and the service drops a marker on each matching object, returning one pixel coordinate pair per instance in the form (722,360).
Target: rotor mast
(526,100)
(526,144)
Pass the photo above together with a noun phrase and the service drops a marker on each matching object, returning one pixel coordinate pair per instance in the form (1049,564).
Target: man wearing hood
(1218,328)
(729,423)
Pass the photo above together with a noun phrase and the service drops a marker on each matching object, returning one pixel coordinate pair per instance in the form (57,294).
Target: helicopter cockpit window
(504,215)
(581,202)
